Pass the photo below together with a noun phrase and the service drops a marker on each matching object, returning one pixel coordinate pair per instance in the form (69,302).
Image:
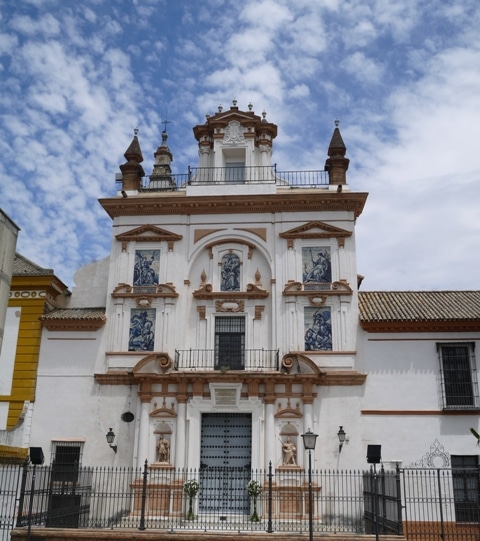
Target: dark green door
(225,463)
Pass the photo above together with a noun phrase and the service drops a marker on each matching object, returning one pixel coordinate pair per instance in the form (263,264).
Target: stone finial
(337,165)
(132,171)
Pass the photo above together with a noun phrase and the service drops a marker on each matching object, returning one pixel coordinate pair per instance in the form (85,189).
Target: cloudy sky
(402,76)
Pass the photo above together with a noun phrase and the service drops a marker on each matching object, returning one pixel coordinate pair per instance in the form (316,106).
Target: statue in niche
(163,450)
(289,453)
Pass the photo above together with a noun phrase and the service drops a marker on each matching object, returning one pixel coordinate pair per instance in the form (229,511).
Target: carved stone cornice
(144,292)
(298,289)
(253,292)
(160,204)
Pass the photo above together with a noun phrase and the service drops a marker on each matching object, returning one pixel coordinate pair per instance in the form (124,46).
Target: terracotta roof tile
(82,314)
(24,267)
(417,306)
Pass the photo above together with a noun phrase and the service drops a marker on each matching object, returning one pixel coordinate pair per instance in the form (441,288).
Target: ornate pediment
(143,294)
(253,292)
(316,230)
(148,233)
(316,291)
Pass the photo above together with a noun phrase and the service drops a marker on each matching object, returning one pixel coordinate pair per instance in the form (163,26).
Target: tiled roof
(79,319)
(419,310)
(75,313)
(24,267)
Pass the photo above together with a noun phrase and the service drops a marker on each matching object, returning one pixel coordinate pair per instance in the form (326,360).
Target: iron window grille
(458,372)
(229,343)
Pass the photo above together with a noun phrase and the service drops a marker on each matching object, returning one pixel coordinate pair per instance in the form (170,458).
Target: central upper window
(229,343)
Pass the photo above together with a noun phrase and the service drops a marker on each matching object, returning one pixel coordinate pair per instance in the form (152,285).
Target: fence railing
(154,497)
(422,504)
(203,176)
(211,359)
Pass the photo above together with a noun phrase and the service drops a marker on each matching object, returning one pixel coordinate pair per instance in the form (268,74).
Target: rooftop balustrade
(206,176)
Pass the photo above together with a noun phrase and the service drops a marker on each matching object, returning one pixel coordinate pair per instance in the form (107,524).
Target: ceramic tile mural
(230,274)
(316,264)
(318,329)
(142,329)
(147,264)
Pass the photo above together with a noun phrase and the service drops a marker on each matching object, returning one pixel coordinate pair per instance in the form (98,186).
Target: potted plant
(254,489)
(191,488)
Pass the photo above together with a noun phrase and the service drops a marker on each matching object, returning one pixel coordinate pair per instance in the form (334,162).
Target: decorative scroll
(253,292)
(335,288)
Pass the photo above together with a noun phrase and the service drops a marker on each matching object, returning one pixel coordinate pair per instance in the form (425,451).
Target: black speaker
(374,454)
(36,455)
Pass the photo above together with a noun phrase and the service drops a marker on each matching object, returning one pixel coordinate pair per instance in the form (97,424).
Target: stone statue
(163,450)
(289,453)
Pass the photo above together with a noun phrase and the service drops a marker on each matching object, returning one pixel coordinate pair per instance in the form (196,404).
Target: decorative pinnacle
(135,132)
(337,122)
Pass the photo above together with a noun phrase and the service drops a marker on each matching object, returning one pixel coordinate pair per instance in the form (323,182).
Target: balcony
(211,359)
(208,176)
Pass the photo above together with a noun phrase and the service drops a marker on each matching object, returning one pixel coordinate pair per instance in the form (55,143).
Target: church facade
(227,322)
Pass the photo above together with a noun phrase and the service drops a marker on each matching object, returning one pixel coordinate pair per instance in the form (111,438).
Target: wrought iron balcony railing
(211,359)
(204,176)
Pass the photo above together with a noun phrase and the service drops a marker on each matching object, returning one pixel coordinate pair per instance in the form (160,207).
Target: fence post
(399,499)
(23,487)
(144,496)
(270,475)
(442,535)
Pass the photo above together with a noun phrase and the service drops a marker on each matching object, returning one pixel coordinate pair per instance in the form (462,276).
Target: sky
(402,77)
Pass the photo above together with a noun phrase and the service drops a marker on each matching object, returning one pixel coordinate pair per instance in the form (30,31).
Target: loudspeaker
(36,455)
(374,454)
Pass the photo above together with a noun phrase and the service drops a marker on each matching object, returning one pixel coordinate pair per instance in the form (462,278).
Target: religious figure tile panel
(142,329)
(147,266)
(230,273)
(318,329)
(316,264)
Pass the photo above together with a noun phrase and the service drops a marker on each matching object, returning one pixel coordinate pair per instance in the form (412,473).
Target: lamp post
(309,441)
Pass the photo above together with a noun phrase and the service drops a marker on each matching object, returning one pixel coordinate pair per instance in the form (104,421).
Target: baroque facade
(227,322)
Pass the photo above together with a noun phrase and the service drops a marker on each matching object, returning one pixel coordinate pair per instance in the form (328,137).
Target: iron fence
(154,497)
(422,504)
(204,176)
(211,359)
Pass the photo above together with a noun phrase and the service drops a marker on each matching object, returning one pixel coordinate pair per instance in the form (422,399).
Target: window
(459,376)
(65,462)
(465,476)
(229,343)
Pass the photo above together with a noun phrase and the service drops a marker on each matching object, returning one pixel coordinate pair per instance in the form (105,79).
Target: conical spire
(132,171)
(134,152)
(337,164)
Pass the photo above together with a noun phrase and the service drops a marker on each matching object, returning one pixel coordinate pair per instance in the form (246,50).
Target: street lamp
(341,438)
(309,441)
(110,435)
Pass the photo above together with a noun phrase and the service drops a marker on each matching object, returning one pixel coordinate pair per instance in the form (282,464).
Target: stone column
(143,433)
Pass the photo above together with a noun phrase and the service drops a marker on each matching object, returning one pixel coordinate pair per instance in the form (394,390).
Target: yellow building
(33,292)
